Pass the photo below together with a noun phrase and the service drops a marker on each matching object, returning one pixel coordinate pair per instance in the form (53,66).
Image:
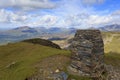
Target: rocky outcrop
(87,53)
(42,42)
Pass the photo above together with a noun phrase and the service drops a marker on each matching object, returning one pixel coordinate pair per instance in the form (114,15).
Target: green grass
(17,60)
(114,44)
(23,55)
(112,48)
(113,59)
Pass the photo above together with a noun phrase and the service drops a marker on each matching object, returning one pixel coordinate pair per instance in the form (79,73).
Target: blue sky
(110,5)
(59,13)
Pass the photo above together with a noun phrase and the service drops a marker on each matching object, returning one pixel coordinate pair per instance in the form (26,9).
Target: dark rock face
(42,42)
(87,53)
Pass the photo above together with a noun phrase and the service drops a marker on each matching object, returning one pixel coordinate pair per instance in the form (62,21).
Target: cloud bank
(50,13)
(27,4)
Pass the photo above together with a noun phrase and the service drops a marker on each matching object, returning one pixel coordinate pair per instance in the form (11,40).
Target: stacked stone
(87,53)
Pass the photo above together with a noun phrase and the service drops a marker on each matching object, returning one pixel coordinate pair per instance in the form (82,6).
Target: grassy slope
(112,48)
(113,59)
(23,56)
(112,42)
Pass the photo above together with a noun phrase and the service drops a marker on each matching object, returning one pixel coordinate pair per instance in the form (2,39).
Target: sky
(59,13)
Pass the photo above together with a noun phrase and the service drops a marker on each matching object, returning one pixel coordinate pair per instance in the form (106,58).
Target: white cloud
(44,21)
(11,17)
(116,13)
(26,4)
(3,16)
(69,14)
(97,20)
(81,20)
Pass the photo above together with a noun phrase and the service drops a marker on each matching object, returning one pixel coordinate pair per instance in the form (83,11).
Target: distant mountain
(21,28)
(53,33)
(72,30)
(113,27)
(25,29)
(26,32)
(54,30)
(17,34)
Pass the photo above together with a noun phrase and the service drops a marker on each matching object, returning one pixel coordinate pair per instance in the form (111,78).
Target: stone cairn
(87,54)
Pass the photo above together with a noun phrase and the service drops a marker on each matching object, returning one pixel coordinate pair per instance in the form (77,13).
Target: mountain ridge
(26,32)
(112,27)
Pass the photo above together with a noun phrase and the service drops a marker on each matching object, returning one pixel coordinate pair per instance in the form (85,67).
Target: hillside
(25,32)
(18,60)
(21,60)
(42,42)
(111,41)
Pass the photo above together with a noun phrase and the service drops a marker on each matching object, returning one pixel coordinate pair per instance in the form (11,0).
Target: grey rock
(60,76)
(87,53)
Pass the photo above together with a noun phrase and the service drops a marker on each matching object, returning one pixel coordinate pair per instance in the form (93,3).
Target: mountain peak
(112,27)
(25,27)
(22,27)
